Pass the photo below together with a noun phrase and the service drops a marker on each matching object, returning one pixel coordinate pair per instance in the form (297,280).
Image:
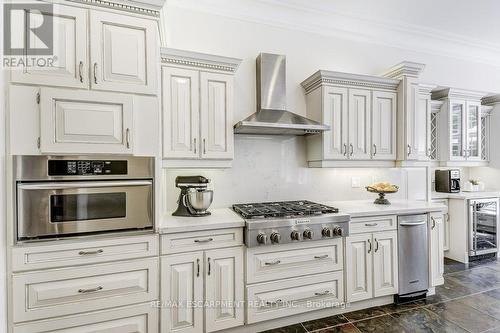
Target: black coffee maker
(195,197)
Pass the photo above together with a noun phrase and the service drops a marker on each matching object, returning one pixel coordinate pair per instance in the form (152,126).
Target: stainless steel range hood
(271,116)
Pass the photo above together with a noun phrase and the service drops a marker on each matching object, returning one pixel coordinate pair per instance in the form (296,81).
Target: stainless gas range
(273,223)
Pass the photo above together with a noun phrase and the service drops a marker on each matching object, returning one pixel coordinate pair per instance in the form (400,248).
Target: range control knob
(262,238)
(327,232)
(295,235)
(275,237)
(337,231)
(308,233)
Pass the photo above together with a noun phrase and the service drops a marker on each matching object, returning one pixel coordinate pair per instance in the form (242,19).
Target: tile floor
(469,301)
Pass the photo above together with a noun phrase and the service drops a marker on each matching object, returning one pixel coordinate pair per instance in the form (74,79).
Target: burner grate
(282,209)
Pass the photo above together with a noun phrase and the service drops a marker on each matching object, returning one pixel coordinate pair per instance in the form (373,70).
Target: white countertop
(465,195)
(357,208)
(219,219)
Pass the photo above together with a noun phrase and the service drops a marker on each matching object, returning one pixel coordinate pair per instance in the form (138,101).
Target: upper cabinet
(463,128)
(361,113)
(98,61)
(197,106)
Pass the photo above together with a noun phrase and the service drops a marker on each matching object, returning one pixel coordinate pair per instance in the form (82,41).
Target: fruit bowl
(382,189)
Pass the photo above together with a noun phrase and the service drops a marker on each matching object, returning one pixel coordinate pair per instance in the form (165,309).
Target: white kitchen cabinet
(383,125)
(191,278)
(371,265)
(181,287)
(197,91)
(446,224)
(224,289)
(123,53)
(85,122)
(436,246)
(361,113)
(69,60)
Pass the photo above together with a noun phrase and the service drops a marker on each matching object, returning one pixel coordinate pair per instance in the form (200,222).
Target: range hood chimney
(272,117)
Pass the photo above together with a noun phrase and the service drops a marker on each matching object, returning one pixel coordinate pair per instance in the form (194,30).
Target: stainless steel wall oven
(74,195)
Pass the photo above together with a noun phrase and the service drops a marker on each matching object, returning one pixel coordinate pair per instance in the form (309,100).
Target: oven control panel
(86,167)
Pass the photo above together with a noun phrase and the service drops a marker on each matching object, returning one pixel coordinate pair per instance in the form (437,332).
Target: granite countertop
(465,195)
(358,208)
(219,219)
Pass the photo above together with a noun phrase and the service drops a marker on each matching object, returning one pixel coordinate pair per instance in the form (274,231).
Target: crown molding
(458,94)
(323,77)
(491,100)
(393,33)
(150,8)
(200,60)
(436,105)
(405,68)
(424,88)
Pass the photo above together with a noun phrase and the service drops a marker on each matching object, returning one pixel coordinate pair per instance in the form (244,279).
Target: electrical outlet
(355,182)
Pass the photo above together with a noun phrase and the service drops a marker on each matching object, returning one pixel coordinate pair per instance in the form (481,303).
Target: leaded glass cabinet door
(473,134)
(457,126)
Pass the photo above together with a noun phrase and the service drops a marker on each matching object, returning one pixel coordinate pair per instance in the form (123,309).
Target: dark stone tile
(297,328)
(317,324)
(393,308)
(483,303)
(452,289)
(465,316)
(452,266)
(483,262)
(493,330)
(345,328)
(436,298)
(422,320)
(386,324)
(365,313)
(493,293)
(480,279)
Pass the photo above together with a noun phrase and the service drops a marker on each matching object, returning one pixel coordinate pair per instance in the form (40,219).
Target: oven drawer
(142,318)
(67,291)
(271,263)
(293,296)
(372,224)
(70,253)
(201,240)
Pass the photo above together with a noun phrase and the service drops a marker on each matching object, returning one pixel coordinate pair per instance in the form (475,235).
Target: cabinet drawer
(292,296)
(372,224)
(60,254)
(142,318)
(201,240)
(74,290)
(266,263)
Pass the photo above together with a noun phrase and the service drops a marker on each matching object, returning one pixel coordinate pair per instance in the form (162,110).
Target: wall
(3,189)
(268,168)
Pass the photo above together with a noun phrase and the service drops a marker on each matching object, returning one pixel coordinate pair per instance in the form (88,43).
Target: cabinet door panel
(436,249)
(384,126)
(422,129)
(385,263)
(182,286)
(180,113)
(69,60)
(359,124)
(85,122)
(216,111)
(224,289)
(473,131)
(335,115)
(359,267)
(457,130)
(123,53)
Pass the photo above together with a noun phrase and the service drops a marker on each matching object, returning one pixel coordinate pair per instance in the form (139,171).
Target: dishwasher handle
(411,224)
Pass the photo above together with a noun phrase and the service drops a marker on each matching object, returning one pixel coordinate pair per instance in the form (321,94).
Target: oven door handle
(68,185)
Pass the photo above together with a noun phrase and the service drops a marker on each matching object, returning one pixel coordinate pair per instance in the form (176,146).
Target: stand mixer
(195,197)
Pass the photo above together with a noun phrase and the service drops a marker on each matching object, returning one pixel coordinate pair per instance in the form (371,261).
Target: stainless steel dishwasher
(413,257)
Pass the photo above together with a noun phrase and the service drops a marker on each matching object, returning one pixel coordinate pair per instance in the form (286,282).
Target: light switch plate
(355,182)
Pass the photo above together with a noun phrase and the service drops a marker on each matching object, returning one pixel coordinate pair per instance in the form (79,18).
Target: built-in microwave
(77,195)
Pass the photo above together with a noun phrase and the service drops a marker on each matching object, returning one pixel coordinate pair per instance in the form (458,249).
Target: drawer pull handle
(80,71)
(92,290)
(209,266)
(371,224)
(198,267)
(370,248)
(324,256)
(95,72)
(376,242)
(203,240)
(86,253)
(323,293)
(433,223)
(271,263)
(278,301)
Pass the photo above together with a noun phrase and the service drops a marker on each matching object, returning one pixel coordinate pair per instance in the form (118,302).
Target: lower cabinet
(202,291)
(371,265)
(436,238)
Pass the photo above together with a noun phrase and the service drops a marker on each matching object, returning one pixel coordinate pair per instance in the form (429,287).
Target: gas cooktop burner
(284,209)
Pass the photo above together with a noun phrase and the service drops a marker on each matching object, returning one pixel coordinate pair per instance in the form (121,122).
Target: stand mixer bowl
(199,201)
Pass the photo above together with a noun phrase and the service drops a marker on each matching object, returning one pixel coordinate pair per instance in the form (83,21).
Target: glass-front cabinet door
(473,136)
(483,226)
(457,122)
